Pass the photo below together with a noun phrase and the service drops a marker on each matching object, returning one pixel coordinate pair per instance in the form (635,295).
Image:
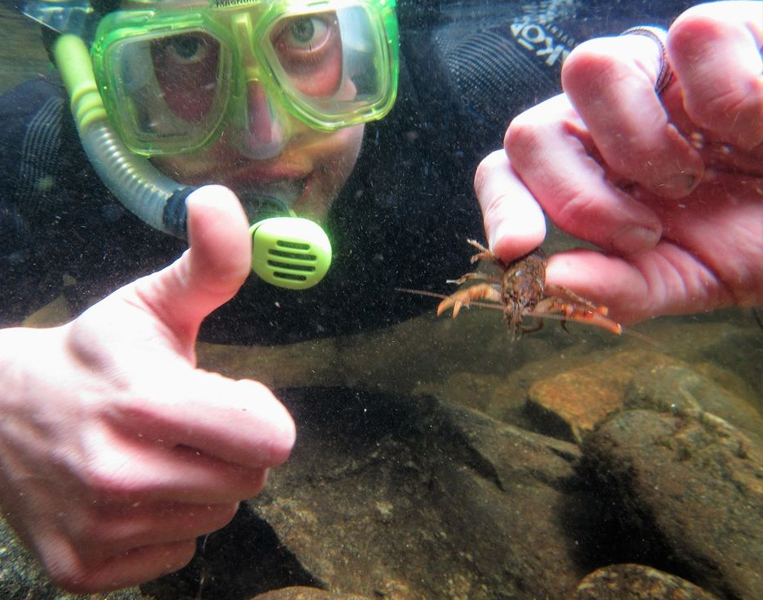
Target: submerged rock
(403,499)
(571,403)
(304,593)
(681,390)
(688,489)
(637,582)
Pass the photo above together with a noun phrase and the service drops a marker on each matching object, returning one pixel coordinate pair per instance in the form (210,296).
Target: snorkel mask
(168,77)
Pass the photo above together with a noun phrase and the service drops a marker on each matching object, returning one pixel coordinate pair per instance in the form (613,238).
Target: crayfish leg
(479,276)
(532,328)
(482,291)
(587,313)
(563,292)
(485,254)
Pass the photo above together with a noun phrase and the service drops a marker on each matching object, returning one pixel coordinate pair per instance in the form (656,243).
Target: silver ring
(659,36)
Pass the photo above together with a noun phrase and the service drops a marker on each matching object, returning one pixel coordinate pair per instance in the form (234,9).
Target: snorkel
(287,251)
(137,184)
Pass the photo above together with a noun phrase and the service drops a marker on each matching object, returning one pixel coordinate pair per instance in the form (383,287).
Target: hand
(116,452)
(670,187)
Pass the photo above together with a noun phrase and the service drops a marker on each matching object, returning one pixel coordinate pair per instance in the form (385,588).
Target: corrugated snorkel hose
(137,184)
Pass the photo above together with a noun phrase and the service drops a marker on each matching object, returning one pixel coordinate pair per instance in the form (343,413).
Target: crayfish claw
(449,302)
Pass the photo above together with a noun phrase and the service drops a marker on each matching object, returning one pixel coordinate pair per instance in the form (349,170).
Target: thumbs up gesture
(116,451)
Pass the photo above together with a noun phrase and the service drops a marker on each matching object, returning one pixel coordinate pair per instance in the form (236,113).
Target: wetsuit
(401,221)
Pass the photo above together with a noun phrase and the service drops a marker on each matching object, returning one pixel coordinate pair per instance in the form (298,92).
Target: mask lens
(333,65)
(186,68)
(309,50)
(171,88)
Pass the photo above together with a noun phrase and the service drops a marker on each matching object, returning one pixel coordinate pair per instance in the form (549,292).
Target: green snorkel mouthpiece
(287,251)
(290,252)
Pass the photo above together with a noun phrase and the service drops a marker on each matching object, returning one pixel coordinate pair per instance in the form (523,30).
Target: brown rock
(573,402)
(693,487)
(406,514)
(637,582)
(305,593)
(734,347)
(403,499)
(682,390)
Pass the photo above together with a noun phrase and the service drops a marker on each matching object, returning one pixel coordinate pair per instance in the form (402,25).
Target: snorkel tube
(139,186)
(288,251)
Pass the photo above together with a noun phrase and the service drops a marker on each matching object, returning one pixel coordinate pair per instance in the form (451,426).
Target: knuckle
(524,134)
(533,128)
(249,483)
(717,107)
(255,388)
(103,480)
(591,58)
(574,206)
(703,15)
(537,127)
(258,482)
(221,515)
(89,529)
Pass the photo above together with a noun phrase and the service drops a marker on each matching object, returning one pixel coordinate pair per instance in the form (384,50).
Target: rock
(403,499)
(304,593)
(689,492)
(728,345)
(637,582)
(681,390)
(572,403)
(470,390)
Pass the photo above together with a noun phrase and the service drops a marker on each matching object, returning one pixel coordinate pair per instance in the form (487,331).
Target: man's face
(263,149)
(314,165)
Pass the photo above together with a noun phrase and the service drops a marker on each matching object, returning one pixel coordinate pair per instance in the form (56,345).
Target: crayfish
(521,291)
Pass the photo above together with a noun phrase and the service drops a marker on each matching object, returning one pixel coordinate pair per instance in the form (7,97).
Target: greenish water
(22,55)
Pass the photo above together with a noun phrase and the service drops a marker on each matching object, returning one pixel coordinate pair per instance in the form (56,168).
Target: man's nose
(263,132)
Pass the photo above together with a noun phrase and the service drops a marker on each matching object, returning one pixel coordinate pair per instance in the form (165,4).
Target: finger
(550,149)
(123,468)
(715,50)
(610,82)
(721,223)
(111,529)
(126,569)
(665,281)
(189,436)
(514,222)
(240,422)
(210,272)
(192,436)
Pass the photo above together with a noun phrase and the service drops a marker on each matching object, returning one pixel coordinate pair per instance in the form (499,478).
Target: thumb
(210,272)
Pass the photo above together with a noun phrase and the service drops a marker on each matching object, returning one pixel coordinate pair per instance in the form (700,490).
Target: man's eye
(305,33)
(187,49)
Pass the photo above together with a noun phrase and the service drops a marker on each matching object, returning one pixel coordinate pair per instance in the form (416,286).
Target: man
(117,452)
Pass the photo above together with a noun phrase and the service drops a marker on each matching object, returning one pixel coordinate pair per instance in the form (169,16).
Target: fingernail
(635,240)
(677,186)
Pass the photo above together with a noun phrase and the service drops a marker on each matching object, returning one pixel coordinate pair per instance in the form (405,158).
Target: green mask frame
(140,58)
